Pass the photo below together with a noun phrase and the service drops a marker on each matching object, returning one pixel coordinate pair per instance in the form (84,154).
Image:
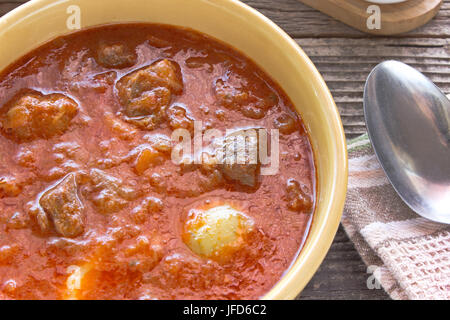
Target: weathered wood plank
(342,275)
(345,66)
(300,21)
(395,18)
(6,6)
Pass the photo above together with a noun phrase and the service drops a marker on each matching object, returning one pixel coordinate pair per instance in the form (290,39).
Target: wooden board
(394,18)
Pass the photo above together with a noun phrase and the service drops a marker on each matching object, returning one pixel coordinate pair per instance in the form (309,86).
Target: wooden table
(345,56)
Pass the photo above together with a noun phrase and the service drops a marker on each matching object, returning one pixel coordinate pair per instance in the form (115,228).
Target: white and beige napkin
(409,255)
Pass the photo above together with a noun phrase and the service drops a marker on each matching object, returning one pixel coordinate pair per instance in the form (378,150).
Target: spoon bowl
(408,121)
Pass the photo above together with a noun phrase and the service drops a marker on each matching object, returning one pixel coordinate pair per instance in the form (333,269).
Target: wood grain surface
(345,57)
(395,18)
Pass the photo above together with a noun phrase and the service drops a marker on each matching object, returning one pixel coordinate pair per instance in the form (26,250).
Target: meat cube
(34,115)
(240,158)
(233,158)
(244,174)
(168,75)
(286,124)
(115,55)
(63,207)
(298,199)
(150,103)
(161,74)
(146,93)
(242,99)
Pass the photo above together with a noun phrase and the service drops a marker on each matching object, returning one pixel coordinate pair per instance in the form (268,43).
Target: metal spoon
(408,120)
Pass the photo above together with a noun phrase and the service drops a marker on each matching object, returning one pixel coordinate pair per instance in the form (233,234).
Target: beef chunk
(233,158)
(200,181)
(63,207)
(33,116)
(296,196)
(150,103)
(240,158)
(244,174)
(146,93)
(242,98)
(286,124)
(115,55)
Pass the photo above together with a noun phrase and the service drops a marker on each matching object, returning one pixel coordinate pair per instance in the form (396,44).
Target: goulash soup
(98,200)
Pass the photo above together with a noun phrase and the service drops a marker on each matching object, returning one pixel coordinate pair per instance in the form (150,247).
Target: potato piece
(298,200)
(34,115)
(62,206)
(217,232)
(151,154)
(115,55)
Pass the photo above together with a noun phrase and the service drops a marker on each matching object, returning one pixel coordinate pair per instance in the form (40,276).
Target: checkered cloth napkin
(408,255)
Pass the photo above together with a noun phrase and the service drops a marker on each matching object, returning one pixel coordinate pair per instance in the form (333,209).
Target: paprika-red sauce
(92,205)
